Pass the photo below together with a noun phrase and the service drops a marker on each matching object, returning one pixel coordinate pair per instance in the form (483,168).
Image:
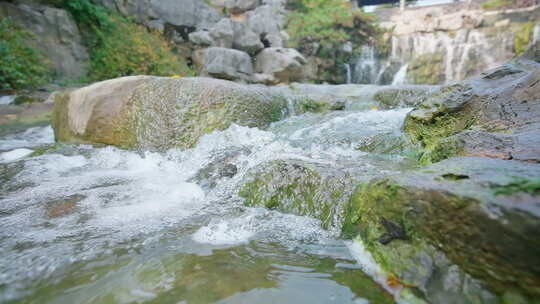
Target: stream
(97,224)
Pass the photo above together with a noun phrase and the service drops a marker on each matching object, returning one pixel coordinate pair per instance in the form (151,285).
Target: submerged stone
(158,112)
(300,188)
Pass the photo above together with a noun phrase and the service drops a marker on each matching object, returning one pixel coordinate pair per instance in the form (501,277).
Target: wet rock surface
(494,115)
(454,206)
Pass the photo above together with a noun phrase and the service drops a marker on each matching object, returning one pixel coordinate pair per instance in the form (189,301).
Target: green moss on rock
(424,221)
(299,188)
(523,38)
(427,69)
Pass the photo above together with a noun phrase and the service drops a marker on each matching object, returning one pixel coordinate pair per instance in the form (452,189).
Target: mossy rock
(407,221)
(427,69)
(496,114)
(300,188)
(160,113)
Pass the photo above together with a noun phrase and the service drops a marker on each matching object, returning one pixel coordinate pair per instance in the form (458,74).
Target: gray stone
(245,39)
(222,33)
(240,6)
(267,19)
(282,63)
(226,63)
(201,38)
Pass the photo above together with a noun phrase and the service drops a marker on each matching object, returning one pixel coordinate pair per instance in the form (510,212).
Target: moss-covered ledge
(495,114)
(412,222)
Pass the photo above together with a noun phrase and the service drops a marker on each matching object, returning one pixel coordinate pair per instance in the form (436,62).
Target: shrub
(21,66)
(130,49)
(327,22)
(120,47)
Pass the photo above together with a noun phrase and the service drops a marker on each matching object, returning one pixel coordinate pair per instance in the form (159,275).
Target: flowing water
(90,224)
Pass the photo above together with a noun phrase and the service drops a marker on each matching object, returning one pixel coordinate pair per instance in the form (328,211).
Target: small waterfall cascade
(367,66)
(536,33)
(348,73)
(401,75)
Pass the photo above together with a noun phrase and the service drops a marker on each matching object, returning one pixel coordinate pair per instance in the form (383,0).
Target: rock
(461,209)
(300,188)
(267,19)
(284,64)
(186,13)
(183,16)
(427,69)
(159,113)
(59,38)
(245,39)
(496,114)
(533,53)
(223,33)
(240,6)
(274,40)
(201,38)
(403,96)
(226,63)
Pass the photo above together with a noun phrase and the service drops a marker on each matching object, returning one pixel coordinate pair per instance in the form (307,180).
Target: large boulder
(59,38)
(159,113)
(226,63)
(496,114)
(283,64)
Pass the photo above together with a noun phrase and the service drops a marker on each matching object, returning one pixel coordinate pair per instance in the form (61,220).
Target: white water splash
(30,138)
(5,100)
(14,155)
(401,75)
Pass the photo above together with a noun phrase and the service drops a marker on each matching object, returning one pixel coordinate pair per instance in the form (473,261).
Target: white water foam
(5,100)
(32,137)
(14,155)
(264,224)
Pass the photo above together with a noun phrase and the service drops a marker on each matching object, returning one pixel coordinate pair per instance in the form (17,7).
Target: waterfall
(401,75)
(536,33)
(366,67)
(348,74)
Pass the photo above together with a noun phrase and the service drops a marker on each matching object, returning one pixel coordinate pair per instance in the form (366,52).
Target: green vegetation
(120,47)
(319,20)
(496,4)
(527,185)
(523,38)
(21,65)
